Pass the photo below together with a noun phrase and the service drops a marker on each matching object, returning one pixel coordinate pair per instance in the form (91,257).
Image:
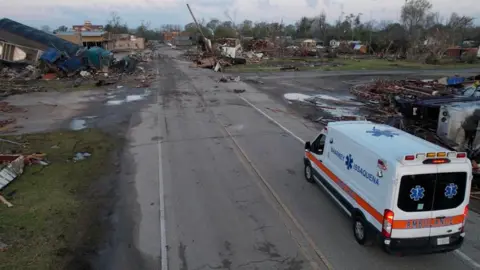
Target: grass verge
(52,206)
(342,64)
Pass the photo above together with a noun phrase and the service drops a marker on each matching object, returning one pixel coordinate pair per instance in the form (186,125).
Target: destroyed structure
(27,53)
(444,111)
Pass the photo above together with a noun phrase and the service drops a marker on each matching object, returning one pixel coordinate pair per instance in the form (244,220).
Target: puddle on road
(296,97)
(115,102)
(78,124)
(335,106)
(131,98)
(128,98)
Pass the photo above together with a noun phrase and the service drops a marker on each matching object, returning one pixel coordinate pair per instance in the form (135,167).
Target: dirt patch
(54,222)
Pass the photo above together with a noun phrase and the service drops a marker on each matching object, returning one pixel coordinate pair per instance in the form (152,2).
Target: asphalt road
(216,184)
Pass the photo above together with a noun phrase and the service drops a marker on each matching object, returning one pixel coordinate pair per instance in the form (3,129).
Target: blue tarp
(99,57)
(95,58)
(71,65)
(455,80)
(51,55)
(41,37)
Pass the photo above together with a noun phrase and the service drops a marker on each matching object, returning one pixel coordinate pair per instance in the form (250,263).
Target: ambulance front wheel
(308,173)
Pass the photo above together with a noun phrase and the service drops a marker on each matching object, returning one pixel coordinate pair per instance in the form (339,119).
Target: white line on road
(460,254)
(469,260)
(163,234)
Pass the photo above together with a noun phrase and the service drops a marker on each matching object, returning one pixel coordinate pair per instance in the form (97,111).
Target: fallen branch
(4,201)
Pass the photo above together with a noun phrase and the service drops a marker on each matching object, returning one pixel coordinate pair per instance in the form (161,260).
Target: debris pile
(381,91)
(6,107)
(3,246)
(435,110)
(18,87)
(381,94)
(7,123)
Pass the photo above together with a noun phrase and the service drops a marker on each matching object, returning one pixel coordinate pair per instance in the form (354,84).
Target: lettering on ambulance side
(397,224)
(350,164)
(429,223)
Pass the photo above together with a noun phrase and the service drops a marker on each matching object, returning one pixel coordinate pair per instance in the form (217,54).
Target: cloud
(158,12)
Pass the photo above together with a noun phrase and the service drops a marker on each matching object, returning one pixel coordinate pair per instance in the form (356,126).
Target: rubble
(6,107)
(230,79)
(8,204)
(11,167)
(415,106)
(81,156)
(3,246)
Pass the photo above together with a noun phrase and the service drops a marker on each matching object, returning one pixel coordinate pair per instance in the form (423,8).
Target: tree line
(418,25)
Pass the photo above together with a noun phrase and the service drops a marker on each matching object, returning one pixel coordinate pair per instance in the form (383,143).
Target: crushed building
(16,33)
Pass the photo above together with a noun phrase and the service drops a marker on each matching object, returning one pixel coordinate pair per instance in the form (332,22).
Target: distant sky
(68,12)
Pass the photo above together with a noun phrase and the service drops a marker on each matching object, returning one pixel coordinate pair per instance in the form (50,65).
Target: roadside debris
(289,68)
(3,246)
(445,111)
(8,204)
(253,80)
(36,158)
(55,59)
(81,156)
(229,79)
(11,167)
(6,107)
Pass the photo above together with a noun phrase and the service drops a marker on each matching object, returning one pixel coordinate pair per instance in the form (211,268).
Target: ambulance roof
(386,141)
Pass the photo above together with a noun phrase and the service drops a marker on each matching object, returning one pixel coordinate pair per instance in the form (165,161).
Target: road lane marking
(250,167)
(163,231)
(283,207)
(303,142)
(459,253)
(469,260)
(271,119)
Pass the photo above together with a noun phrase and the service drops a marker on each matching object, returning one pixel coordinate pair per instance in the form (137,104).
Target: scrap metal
(12,167)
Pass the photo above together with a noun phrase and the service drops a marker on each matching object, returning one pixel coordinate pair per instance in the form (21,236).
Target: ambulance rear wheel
(309,173)
(360,231)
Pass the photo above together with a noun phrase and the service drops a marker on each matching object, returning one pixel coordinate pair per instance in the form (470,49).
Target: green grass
(381,64)
(51,203)
(344,64)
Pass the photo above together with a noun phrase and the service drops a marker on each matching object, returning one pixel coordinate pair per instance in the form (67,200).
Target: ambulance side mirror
(307,145)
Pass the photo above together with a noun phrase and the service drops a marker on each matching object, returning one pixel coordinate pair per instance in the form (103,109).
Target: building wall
(76,38)
(93,39)
(136,44)
(169,36)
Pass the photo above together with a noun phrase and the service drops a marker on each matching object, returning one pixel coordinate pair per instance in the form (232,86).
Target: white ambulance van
(409,193)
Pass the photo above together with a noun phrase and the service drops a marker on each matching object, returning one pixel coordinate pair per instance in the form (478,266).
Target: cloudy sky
(68,12)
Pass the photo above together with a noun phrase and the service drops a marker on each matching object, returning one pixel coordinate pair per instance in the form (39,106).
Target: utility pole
(198,27)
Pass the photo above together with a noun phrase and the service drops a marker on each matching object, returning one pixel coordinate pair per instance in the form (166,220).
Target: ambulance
(403,192)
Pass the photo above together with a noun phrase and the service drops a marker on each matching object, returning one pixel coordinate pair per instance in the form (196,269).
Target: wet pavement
(209,180)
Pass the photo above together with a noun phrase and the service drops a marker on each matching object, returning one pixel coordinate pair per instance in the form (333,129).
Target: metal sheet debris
(12,166)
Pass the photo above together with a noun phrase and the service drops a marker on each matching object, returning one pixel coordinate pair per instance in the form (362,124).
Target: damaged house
(23,36)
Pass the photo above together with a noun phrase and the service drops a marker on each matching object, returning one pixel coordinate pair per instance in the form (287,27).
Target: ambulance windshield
(431,192)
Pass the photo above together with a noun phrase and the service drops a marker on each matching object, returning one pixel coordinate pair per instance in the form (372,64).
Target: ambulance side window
(318,145)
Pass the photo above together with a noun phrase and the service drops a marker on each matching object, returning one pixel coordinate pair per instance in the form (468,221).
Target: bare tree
(115,25)
(458,26)
(414,17)
(115,19)
(319,26)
